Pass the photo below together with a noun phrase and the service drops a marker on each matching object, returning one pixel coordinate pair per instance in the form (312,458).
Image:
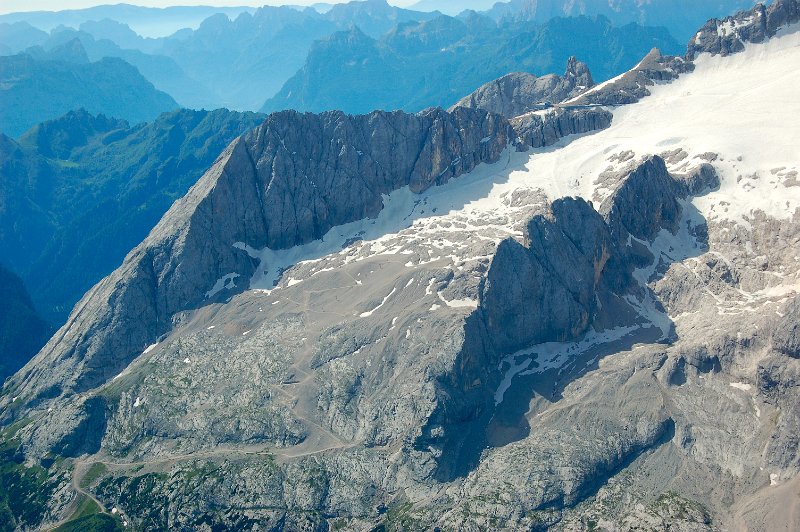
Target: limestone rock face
(644,203)
(537,130)
(727,36)
(786,336)
(285,183)
(634,85)
(547,290)
(519,92)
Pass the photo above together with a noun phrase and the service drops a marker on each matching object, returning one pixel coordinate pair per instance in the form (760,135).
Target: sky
(10,6)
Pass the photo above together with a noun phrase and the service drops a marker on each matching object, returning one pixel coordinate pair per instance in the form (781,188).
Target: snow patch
(226,282)
(554,355)
(385,299)
(150,348)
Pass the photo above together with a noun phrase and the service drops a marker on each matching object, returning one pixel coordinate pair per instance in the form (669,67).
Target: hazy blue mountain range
(18,36)
(22,331)
(146,21)
(680,17)
(234,62)
(238,58)
(436,62)
(63,79)
(246,60)
(162,71)
(80,191)
(452,7)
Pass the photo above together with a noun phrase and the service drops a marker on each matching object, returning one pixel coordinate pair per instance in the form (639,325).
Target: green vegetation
(87,506)
(92,523)
(673,506)
(24,490)
(400,517)
(97,470)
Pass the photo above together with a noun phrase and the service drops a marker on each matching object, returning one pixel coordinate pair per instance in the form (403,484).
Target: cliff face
(285,183)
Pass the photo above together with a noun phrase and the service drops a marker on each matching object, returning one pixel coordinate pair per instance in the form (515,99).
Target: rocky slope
(596,334)
(80,191)
(519,92)
(175,268)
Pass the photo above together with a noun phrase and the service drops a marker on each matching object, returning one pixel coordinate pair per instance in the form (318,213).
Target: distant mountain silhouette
(33,90)
(436,62)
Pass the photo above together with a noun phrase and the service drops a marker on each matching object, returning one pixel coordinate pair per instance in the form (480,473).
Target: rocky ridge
(519,92)
(390,382)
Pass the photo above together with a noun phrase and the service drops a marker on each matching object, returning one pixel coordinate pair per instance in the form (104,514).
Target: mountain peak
(579,71)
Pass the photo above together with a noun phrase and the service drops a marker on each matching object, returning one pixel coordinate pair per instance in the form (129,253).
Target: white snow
(505,384)
(150,348)
(742,107)
(226,282)
(741,386)
(742,104)
(136,404)
(385,299)
(554,355)
(773,479)
(458,303)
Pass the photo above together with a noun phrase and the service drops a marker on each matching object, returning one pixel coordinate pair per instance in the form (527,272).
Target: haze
(12,6)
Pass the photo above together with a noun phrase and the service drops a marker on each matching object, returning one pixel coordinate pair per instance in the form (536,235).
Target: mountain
(117,32)
(35,90)
(82,190)
(418,322)
(519,92)
(22,331)
(234,58)
(248,59)
(452,7)
(18,36)
(680,17)
(162,71)
(434,63)
(146,21)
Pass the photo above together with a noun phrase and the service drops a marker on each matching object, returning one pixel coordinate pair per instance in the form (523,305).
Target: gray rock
(728,36)
(644,203)
(284,183)
(634,85)
(539,130)
(519,92)
(786,335)
(547,290)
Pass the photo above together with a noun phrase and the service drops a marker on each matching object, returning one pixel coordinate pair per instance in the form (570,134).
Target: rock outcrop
(634,85)
(729,35)
(519,92)
(537,130)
